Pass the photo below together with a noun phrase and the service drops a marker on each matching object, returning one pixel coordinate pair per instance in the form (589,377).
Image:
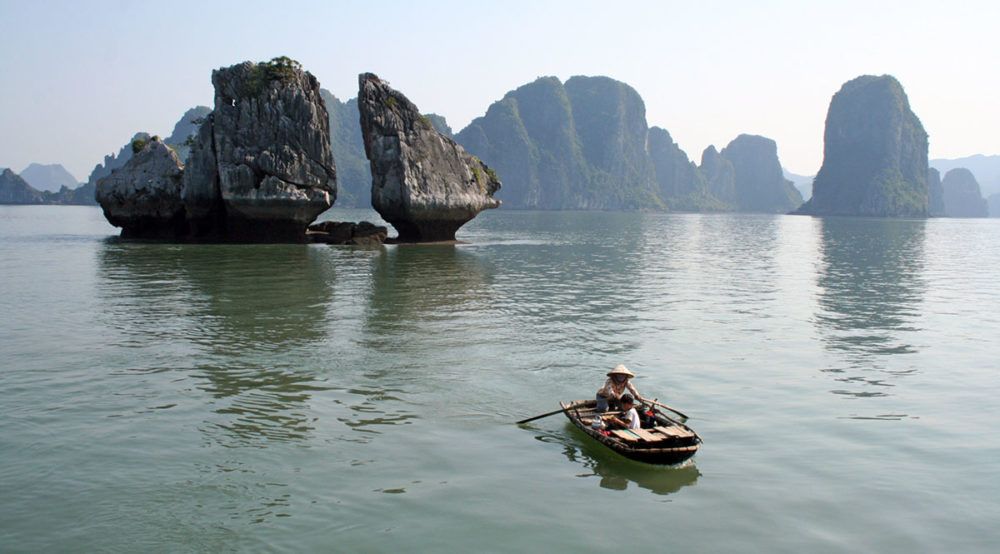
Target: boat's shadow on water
(615,472)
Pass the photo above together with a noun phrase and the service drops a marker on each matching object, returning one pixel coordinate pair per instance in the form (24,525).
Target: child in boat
(630,417)
(619,382)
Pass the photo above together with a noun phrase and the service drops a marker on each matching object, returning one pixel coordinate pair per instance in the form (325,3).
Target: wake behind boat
(664,441)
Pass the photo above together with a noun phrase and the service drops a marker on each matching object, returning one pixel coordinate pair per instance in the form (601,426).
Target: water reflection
(615,472)
(240,319)
(871,286)
(423,290)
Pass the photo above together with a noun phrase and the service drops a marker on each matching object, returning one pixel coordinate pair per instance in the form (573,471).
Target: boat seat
(677,432)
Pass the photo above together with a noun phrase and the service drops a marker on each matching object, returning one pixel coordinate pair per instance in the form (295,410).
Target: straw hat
(620,369)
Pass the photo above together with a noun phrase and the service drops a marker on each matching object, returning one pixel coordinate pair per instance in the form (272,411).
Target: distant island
(586,145)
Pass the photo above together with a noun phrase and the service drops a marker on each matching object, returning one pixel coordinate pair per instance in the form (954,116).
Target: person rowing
(619,383)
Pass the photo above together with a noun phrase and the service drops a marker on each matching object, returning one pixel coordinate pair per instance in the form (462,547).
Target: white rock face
(423,183)
(143,197)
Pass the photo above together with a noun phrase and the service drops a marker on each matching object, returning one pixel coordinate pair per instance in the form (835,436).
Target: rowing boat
(666,443)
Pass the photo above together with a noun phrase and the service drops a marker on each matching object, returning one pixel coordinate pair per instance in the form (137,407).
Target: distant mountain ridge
(985,168)
(585,144)
(48,177)
(83,194)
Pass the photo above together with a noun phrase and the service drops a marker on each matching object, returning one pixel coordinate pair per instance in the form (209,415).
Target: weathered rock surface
(760,184)
(143,197)
(962,197)
(346,232)
(261,167)
(423,183)
(935,194)
(15,190)
(874,156)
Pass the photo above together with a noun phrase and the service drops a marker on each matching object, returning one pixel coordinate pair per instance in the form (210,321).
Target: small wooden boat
(668,442)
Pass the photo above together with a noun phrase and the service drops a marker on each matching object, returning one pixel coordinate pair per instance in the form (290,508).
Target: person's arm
(635,393)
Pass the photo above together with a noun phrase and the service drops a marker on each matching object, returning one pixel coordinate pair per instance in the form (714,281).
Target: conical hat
(620,369)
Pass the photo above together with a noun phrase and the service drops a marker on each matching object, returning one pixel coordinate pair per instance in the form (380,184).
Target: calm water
(843,373)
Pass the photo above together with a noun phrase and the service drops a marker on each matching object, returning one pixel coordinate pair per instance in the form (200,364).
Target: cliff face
(143,197)
(15,190)
(720,176)
(935,194)
(962,197)
(261,167)
(587,145)
(423,183)
(186,129)
(354,177)
(874,156)
(575,146)
(760,184)
(679,181)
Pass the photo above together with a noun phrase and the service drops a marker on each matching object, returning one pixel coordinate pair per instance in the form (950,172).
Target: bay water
(192,397)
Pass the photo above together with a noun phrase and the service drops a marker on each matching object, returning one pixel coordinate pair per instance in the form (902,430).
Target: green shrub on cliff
(282,68)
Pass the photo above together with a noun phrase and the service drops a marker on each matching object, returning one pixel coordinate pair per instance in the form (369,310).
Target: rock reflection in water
(616,472)
(201,309)
(422,288)
(870,291)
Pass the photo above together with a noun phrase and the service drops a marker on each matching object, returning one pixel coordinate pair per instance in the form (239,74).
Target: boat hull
(666,452)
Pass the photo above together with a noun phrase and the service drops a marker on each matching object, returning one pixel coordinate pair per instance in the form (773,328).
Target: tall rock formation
(719,175)
(985,168)
(962,197)
(581,145)
(143,197)
(423,183)
(610,121)
(874,156)
(935,194)
(48,177)
(261,167)
(15,190)
(186,129)
(586,144)
(354,177)
(679,181)
(760,184)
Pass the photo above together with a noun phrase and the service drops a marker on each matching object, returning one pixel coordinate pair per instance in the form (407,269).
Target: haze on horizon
(81,79)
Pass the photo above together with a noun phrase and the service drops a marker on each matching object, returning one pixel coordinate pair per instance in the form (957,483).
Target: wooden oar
(662,405)
(559,411)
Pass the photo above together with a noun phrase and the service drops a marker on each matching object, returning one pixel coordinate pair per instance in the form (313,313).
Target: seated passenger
(630,417)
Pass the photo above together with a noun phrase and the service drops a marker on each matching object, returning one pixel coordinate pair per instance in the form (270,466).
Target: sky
(80,78)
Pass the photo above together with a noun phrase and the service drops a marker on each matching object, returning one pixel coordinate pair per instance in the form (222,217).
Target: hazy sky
(80,78)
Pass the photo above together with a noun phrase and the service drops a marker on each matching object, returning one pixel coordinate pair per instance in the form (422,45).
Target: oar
(559,411)
(662,405)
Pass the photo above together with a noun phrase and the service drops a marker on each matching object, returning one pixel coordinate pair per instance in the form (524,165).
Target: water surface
(160,397)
